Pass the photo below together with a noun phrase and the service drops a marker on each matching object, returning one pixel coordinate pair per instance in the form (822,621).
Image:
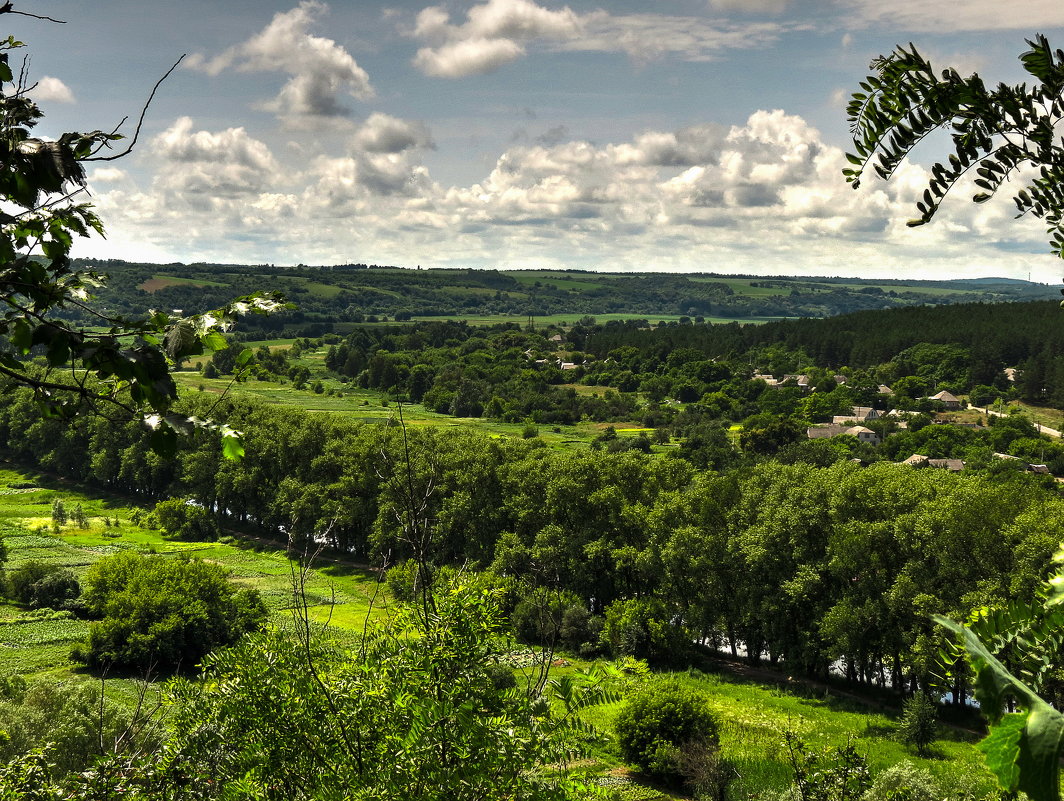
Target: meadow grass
(337,590)
(157,282)
(753,718)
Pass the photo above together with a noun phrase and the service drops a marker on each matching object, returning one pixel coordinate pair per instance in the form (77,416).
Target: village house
(858,414)
(947,399)
(919,460)
(827,430)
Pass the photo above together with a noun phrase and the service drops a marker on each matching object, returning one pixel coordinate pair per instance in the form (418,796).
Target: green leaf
(232,445)
(1042,739)
(1002,750)
(214,341)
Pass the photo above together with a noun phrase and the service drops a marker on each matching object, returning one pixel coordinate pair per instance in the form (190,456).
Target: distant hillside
(354,293)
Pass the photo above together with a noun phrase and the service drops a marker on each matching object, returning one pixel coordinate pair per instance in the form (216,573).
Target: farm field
(374,407)
(157,282)
(40,642)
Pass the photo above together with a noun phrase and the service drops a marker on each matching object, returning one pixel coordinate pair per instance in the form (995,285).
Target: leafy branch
(997,132)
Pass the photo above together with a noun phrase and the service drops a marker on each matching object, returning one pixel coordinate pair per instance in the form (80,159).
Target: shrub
(904,782)
(835,774)
(642,627)
(58,590)
(21,580)
(162,614)
(37,584)
(919,722)
(659,723)
(186,521)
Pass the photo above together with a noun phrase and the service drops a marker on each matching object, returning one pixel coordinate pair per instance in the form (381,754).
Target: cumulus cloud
(972,15)
(226,163)
(53,89)
(322,71)
(382,133)
(492,36)
(762,196)
(467,57)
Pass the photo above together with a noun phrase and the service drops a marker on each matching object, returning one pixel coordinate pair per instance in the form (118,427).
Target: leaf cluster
(995,133)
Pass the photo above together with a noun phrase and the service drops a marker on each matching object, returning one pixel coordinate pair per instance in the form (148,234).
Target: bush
(162,614)
(659,724)
(904,782)
(185,521)
(37,584)
(834,774)
(58,590)
(402,580)
(919,723)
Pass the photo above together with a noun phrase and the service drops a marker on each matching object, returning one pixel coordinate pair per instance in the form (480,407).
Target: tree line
(818,567)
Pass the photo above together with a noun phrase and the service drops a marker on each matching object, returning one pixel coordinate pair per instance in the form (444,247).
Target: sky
(674,135)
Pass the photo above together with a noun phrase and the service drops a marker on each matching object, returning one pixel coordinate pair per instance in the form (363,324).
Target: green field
(370,406)
(566,320)
(157,282)
(754,716)
(36,642)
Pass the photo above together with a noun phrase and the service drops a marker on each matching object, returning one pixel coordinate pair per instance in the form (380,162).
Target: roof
(953,465)
(825,430)
(859,430)
(916,460)
(946,397)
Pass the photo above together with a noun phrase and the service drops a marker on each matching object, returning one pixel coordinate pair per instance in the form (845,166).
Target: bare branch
(140,120)
(6,8)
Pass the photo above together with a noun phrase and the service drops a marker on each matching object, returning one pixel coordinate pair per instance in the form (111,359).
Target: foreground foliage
(1012,650)
(996,133)
(415,711)
(160,615)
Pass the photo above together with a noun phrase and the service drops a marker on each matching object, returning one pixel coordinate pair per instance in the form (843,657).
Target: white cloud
(749,6)
(224,164)
(971,15)
(53,89)
(382,133)
(491,36)
(467,57)
(498,32)
(765,196)
(322,72)
(107,175)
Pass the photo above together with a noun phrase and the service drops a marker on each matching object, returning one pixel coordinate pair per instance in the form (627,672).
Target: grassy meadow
(40,642)
(753,717)
(371,406)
